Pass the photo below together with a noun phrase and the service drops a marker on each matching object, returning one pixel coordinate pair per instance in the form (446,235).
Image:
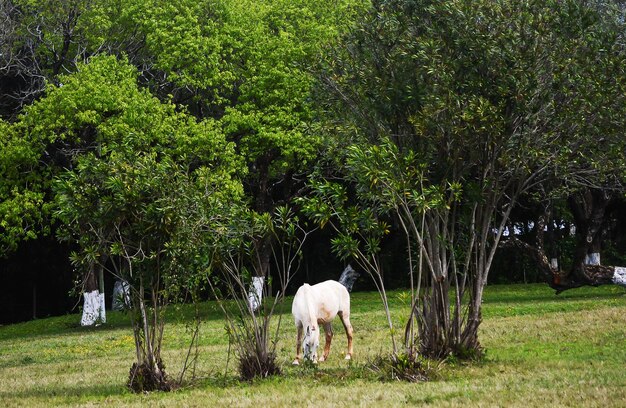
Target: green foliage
(21,215)
(145,173)
(187,41)
(99,110)
(509,81)
(244,63)
(359,227)
(24,209)
(242,66)
(275,47)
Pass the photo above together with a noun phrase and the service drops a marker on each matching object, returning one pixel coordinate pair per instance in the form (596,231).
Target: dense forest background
(254,99)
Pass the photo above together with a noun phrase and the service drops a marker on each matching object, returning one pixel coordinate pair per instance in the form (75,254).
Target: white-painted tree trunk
(554,264)
(255,293)
(121,295)
(619,276)
(93,309)
(593,258)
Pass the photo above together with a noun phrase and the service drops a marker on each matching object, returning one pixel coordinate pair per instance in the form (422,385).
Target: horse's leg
(328,330)
(298,343)
(345,319)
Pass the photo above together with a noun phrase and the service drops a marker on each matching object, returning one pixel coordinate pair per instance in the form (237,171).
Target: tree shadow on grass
(70,324)
(66,393)
(543,293)
(58,327)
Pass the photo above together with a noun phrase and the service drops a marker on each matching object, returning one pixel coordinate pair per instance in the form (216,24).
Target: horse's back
(332,297)
(332,286)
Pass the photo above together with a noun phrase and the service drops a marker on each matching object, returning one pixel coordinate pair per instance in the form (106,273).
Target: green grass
(542,350)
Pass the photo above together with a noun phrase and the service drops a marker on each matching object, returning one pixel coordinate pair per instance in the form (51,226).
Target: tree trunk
(588,209)
(148,373)
(93,306)
(437,330)
(582,272)
(593,253)
(255,293)
(263,246)
(469,337)
(121,295)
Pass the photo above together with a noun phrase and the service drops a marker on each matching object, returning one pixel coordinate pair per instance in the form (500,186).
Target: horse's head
(311,342)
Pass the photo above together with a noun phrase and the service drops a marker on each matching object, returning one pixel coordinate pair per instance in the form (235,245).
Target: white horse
(315,305)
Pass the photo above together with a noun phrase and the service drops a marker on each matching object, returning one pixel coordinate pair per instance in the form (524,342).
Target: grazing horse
(315,305)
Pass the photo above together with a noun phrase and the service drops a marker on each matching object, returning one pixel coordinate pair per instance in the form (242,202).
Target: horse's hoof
(296,362)
(322,359)
(348,357)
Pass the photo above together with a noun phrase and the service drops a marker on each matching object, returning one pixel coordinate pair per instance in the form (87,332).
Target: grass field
(542,350)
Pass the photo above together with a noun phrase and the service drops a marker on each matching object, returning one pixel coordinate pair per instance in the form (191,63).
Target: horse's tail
(299,302)
(304,306)
(311,308)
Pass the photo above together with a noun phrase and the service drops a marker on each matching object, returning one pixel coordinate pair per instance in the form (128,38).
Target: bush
(408,367)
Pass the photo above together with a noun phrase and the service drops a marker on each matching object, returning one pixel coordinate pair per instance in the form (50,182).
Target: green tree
(136,181)
(157,223)
(589,104)
(456,109)
(276,45)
